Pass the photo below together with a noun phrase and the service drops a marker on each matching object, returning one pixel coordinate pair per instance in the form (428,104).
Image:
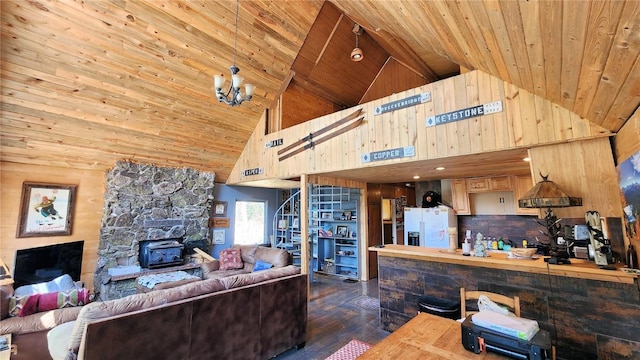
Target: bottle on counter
(632,258)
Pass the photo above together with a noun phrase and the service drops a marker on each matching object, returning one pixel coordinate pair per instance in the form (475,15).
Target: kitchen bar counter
(498,260)
(590,313)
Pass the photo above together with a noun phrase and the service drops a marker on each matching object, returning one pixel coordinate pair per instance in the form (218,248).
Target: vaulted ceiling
(85,84)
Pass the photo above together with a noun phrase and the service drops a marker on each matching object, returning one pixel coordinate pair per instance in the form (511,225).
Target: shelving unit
(287,225)
(333,220)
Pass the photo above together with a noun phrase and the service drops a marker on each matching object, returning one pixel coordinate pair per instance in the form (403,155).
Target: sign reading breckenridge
(467,113)
(403,103)
(402,152)
(254,171)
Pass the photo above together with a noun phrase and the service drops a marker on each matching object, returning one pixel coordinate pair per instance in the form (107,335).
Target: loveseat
(248,315)
(250,256)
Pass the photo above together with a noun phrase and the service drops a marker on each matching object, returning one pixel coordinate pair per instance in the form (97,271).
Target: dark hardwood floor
(338,312)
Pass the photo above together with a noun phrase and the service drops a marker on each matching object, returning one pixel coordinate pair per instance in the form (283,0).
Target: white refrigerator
(429,227)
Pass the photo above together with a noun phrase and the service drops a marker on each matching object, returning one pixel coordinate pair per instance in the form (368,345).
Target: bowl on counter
(523,252)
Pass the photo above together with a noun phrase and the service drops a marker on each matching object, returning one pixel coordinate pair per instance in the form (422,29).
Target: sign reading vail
(467,113)
(254,171)
(403,103)
(389,154)
(273,143)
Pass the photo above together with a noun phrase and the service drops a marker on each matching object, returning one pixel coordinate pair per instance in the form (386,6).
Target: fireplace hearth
(149,204)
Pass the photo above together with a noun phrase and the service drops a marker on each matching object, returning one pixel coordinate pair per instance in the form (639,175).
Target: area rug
(352,350)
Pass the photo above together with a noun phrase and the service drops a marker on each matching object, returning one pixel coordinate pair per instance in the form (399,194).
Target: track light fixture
(356,53)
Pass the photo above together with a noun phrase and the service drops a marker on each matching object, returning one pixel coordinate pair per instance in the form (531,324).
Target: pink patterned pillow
(23,305)
(62,299)
(231,259)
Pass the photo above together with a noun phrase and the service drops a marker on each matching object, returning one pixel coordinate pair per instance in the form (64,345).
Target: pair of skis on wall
(312,139)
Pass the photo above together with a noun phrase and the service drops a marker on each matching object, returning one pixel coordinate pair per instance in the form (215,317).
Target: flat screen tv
(45,263)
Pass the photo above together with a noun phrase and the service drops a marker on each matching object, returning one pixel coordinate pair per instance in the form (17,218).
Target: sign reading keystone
(254,171)
(467,113)
(403,103)
(402,152)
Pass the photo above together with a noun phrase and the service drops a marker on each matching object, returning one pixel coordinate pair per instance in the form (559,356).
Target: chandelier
(233,96)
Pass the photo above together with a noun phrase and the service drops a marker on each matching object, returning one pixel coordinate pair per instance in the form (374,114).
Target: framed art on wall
(219,208)
(218,236)
(46,209)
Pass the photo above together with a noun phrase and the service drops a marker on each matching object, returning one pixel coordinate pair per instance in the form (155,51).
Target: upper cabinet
(484,184)
(460,197)
(522,184)
(461,188)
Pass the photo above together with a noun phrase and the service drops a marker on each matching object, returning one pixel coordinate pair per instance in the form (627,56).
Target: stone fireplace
(144,202)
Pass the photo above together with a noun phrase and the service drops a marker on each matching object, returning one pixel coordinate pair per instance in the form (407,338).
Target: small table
(6,353)
(425,337)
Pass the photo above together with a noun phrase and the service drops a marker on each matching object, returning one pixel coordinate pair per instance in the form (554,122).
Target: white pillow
(57,340)
(61,283)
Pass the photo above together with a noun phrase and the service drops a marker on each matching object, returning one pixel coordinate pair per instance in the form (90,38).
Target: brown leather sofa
(256,321)
(244,315)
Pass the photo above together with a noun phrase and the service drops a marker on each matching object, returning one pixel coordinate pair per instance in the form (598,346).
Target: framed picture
(282,224)
(218,236)
(219,208)
(296,223)
(342,230)
(46,209)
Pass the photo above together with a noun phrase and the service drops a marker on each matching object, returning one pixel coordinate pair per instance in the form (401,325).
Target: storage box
(509,325)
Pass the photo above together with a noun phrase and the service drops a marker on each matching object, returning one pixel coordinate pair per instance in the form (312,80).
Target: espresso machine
(600,244)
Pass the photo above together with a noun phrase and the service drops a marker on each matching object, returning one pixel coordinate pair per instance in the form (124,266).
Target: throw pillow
(231,259)
(23,305)
(261,265)
(62,299)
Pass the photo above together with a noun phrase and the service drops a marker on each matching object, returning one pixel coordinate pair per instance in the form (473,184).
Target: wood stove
(161,253)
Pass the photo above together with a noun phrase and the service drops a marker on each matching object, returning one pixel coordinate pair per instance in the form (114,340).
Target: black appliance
(45,263)
(160,253)
(477,339)
(413,238)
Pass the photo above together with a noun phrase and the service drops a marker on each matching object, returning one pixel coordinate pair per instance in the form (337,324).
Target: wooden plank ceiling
(85,84)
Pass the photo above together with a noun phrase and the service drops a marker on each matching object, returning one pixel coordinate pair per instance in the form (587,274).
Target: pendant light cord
(235,42)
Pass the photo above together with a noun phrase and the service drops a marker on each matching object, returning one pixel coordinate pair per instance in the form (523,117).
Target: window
(249,222)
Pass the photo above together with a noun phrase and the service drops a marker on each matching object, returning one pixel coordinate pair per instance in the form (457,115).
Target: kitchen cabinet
(518,185)
(460,197)
(522,184)
(484,184)
(335,243)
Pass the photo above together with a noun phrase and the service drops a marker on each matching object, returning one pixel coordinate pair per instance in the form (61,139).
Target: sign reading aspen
(403,103)
(254,171)
(467,113)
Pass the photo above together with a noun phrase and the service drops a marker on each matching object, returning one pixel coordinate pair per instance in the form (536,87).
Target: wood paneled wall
(86,219)
(300,105)
(627,140)
(393,78)
(584,169)
(526,121)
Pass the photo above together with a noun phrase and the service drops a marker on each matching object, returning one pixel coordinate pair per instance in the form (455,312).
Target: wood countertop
(498,260)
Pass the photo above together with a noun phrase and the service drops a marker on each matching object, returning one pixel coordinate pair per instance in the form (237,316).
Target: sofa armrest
(208,267)
(39,321)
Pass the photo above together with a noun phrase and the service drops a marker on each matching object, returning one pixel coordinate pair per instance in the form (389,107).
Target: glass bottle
(632,258)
